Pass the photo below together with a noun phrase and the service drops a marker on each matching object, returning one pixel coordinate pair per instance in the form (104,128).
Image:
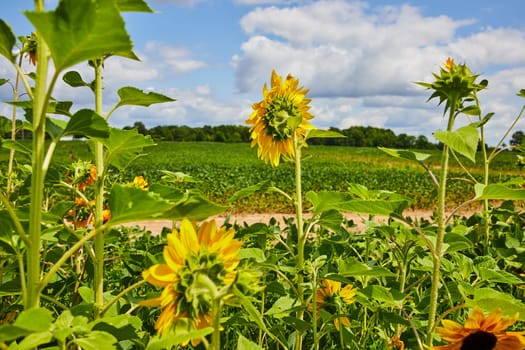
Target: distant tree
(517,138)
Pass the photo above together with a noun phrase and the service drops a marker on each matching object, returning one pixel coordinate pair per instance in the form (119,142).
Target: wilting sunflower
(282,113)
(481,333)
(189,252)
(333,299)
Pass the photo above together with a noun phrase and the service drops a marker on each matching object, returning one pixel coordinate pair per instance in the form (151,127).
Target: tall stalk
(441,226)
(99,199)
(11,162)
(38,172)
(301,237)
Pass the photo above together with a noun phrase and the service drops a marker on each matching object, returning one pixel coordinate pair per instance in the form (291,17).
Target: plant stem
(99,200)
(438,249)
(38,174)
(13,132)
(301,238)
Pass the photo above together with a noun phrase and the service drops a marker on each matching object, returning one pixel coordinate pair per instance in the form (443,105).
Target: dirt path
(156,226)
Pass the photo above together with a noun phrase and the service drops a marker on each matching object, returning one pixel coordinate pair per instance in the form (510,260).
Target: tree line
(356,136)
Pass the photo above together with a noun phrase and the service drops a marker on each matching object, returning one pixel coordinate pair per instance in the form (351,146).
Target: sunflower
(481,333)
(208,250)
(281,114)
(139,182)
(333,299)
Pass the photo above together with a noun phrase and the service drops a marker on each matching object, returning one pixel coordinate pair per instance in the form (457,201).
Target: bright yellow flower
(282,113)
(481,333)
(334,299)
(139,182)
(209,251)
(449,63)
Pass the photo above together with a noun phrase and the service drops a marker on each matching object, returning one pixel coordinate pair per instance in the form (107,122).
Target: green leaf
(261,187)
(35,320)
(171,340)
(133,6)
(353,267)
(86,294)
(456,242)
(382,295)
(74,79)
(282,307)
(471,110)
(7,41)
(246,344)
(87,123)
(463,140)
(498,191)
(489,300)
(318,133)
(17,146)
(521,93)
(9,332)
(405,154)
(122,146)
(32,341)
(498,276)
(331,219)
(329,200)
(134,97)
(128,204)
(194,207)
(96,340)
(3,81)
(81,30)
(55,128)
(256,254)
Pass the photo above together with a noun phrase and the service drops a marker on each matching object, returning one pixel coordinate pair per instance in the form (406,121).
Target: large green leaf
(87,123)
(96,340)
(463,140)
(498,191)
(489,300)
(7,41)
(80,30)
(129,204)
(194,207)
(329,200)
(246,344)
(122,146)
(353,267)
(133,6)
(261,187)
(135,97)
(168,342)
(405,154)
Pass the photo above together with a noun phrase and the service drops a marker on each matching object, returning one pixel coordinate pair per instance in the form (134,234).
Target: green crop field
(221,169)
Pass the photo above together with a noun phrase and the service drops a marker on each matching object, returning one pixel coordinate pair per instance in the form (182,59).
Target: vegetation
(74,276)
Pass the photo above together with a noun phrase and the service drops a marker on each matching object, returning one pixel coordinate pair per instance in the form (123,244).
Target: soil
(156,226)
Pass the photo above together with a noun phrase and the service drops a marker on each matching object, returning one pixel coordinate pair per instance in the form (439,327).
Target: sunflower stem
(301,237)
(99,200)
(441,222)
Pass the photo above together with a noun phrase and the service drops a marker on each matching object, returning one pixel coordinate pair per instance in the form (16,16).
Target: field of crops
(221,169)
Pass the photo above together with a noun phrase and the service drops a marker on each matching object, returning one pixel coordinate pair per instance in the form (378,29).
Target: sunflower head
(280,117)
(192,255)
(481,332)
(334,299)
(455,85)
(139,182)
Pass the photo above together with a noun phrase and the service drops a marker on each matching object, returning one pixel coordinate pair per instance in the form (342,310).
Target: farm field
(221,169)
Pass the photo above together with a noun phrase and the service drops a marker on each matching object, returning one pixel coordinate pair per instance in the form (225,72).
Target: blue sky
(358,58)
